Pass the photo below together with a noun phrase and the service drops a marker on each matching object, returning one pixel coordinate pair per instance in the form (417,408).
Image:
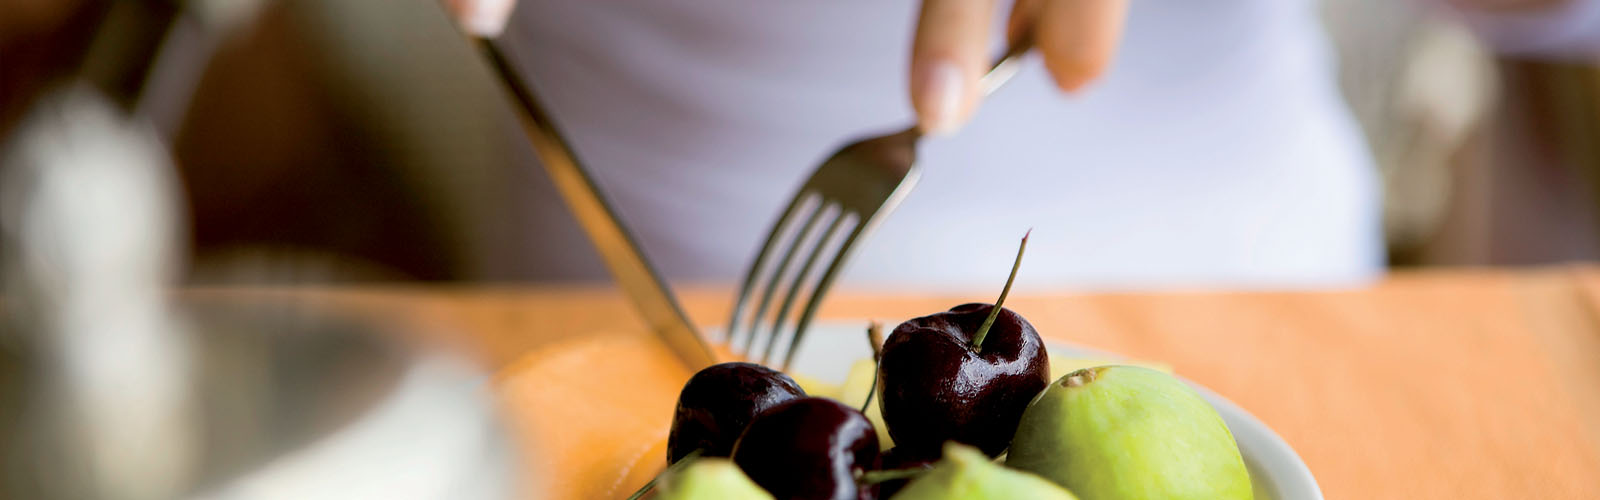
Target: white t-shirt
(1216,151)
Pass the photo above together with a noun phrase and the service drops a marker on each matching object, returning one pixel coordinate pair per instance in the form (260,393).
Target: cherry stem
(874,337)
(977,339)
(878,476)
(676,466)
(871,391)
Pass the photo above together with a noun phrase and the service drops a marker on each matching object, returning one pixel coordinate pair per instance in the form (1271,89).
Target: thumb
(1078,37)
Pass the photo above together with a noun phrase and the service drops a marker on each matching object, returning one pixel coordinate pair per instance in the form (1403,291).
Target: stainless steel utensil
(634,274)
(848,194)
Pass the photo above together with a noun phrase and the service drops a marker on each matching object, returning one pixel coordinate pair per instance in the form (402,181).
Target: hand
(485,18)
(1076,38)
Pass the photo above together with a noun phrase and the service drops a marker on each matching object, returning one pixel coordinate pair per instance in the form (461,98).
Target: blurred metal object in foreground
(110,389)
(303,405)
(88,221)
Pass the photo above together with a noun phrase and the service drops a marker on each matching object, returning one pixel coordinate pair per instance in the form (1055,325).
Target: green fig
(709,479)
(967,474)
(1129,433)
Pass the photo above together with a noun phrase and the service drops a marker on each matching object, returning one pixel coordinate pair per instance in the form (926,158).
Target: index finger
(947,58)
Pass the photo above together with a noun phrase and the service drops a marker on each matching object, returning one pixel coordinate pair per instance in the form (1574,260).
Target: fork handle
(1007,65)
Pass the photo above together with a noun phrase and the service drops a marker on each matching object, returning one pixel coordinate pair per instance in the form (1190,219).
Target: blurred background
(291,154)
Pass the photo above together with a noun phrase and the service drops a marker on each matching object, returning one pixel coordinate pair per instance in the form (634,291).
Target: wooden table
(1437,385)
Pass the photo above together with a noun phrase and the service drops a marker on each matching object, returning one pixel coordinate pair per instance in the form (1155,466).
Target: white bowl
(1277,472)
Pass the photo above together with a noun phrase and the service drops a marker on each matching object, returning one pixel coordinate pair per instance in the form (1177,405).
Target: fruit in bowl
(1129,432)
(709,478)
(1109,432)
(718,403)
(966,473)
(957,389)
(963,375)
(809,448)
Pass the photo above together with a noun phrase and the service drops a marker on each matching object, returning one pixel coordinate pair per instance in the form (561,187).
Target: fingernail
(940,87)
(485,18)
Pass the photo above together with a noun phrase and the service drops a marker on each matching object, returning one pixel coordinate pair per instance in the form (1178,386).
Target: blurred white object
(1420,85)
(89,245)
(1444,93)
(128,402)
(116,395)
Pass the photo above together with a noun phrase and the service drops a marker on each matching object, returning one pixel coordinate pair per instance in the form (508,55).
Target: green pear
(967,474)
(1129,433)
(709,479)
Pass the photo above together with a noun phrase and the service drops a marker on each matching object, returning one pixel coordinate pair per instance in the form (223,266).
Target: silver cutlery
(847,197)
(620,251)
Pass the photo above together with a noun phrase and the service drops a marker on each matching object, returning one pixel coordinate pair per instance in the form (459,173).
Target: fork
(850,193)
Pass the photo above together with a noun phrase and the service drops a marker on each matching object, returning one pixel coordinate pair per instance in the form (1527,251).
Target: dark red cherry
(719,402)
(936,385)
(809,448)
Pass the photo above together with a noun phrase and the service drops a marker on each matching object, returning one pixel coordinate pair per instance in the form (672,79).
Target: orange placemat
(1439,385)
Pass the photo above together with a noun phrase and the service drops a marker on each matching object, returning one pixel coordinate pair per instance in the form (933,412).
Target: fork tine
(821,244)
(821,289)
(755,267)
(771,287)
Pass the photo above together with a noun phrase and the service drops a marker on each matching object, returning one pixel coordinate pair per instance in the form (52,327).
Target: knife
(618,248)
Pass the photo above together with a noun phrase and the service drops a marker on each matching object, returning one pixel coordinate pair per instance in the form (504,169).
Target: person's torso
(1216,150)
